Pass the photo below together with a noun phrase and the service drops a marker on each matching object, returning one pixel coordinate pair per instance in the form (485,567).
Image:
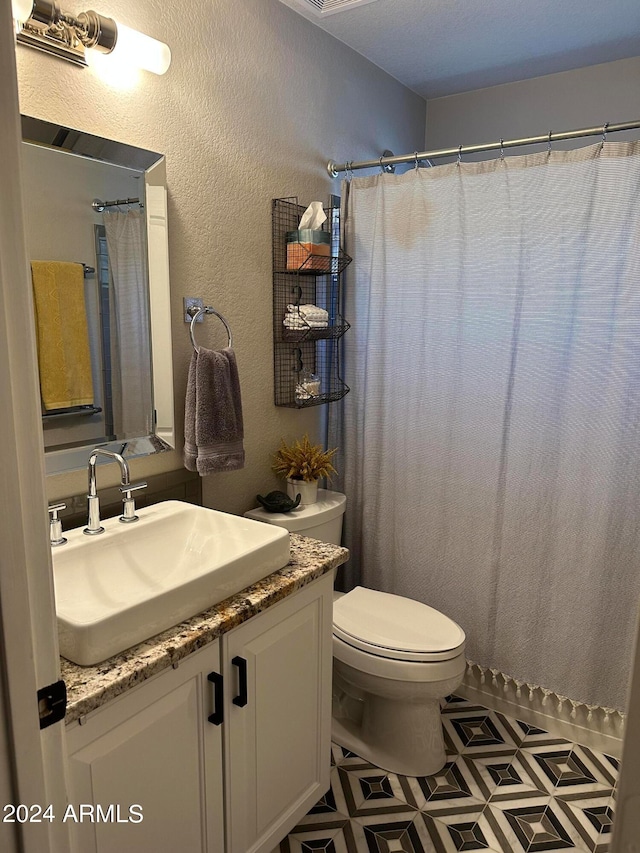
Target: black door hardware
(241,699)
(217,717)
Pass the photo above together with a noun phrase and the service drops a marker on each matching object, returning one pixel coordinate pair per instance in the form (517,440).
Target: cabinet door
(152,747)
(277,745)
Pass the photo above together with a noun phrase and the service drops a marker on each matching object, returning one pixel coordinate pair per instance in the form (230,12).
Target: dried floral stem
(304,461)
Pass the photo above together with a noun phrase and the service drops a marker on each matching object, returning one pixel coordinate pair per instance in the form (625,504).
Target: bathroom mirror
(100,206)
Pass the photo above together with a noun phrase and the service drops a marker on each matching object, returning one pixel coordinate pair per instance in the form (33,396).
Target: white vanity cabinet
(154,747)
(225,753)
(278,744)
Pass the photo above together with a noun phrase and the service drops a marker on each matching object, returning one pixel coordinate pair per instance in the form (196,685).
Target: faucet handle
(55,525)
(128,505)
(132,487)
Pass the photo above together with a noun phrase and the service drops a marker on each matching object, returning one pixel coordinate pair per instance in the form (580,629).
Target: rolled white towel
(309,312)
(299,323)
(295,321)
(312,309)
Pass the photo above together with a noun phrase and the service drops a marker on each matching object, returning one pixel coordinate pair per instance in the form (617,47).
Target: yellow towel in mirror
(64,358)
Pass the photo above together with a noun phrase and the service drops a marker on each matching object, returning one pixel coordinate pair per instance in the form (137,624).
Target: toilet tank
(321,520)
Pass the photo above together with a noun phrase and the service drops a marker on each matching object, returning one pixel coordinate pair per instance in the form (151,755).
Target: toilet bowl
(394,660)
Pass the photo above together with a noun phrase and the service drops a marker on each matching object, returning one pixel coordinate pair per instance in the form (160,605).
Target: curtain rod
(335,168)
(99,206)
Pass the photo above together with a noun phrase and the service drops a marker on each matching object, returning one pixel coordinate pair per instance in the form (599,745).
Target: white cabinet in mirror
(96,230)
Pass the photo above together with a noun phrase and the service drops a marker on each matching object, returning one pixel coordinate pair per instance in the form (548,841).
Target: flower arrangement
(304,461)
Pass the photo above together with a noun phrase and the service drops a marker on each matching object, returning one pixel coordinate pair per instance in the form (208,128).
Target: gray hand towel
(213,427)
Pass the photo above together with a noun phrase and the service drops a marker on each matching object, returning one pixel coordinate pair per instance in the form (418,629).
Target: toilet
(394,660)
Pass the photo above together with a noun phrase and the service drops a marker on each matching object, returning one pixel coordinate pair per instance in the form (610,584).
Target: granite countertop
(89,687)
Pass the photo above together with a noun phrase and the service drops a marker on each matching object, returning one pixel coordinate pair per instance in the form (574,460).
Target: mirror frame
(78,143)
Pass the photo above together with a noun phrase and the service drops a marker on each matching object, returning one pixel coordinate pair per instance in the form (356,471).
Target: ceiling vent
(322,8)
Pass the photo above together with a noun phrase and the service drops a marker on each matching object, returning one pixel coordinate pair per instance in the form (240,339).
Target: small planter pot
(308,491)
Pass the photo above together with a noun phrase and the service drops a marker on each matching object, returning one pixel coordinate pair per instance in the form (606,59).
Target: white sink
(133,581)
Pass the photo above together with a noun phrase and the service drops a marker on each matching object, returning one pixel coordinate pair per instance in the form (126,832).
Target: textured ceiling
(440,47)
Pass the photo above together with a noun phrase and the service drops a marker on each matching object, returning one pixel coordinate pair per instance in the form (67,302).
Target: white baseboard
(597,728)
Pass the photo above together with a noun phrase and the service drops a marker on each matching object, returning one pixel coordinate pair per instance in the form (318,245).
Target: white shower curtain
(490,447)
(132,396)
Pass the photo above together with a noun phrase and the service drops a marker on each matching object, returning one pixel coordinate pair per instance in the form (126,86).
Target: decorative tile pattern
(534,828)
(569,769)
(469,831)
(454,790)
(370,791)
(507,787)
(592,816)
(473,730)
(406,834)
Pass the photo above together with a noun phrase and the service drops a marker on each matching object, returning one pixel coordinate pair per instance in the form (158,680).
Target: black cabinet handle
(241,699)
(218,711)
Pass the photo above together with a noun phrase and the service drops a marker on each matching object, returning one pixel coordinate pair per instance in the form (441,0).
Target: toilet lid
(395,627)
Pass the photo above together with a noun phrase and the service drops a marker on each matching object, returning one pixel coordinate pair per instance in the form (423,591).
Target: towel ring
(195,314)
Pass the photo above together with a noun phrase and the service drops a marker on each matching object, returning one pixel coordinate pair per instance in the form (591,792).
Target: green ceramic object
(278,502)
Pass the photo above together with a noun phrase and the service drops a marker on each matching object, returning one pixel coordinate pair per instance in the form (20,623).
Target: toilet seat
(394,627)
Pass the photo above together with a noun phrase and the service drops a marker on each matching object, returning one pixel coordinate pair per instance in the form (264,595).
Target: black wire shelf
(313,334)
(317,265)
(307,357)
(319,400)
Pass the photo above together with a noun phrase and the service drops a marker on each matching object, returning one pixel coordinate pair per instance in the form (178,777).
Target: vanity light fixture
(43,25)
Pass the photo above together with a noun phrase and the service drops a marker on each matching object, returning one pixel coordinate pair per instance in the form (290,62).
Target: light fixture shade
(21,10)
(86,36)
(141,50)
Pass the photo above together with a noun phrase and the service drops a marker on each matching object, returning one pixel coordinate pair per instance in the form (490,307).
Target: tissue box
(308,250)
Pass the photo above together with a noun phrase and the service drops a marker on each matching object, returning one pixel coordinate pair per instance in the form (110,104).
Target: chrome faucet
(129,511)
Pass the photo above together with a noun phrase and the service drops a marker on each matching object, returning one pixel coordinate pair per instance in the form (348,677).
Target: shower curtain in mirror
(490,448)
(126,246)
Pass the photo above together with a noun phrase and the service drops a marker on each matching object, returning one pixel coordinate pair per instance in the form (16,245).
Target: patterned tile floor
(507,787)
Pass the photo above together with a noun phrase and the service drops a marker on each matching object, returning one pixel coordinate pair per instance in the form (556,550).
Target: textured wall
(255,102)
(586,97)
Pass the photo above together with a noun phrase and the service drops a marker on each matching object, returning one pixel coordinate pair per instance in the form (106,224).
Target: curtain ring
(502,149)
(459,154)
(415,154)
(604,134)
(549,144)
(349,170)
